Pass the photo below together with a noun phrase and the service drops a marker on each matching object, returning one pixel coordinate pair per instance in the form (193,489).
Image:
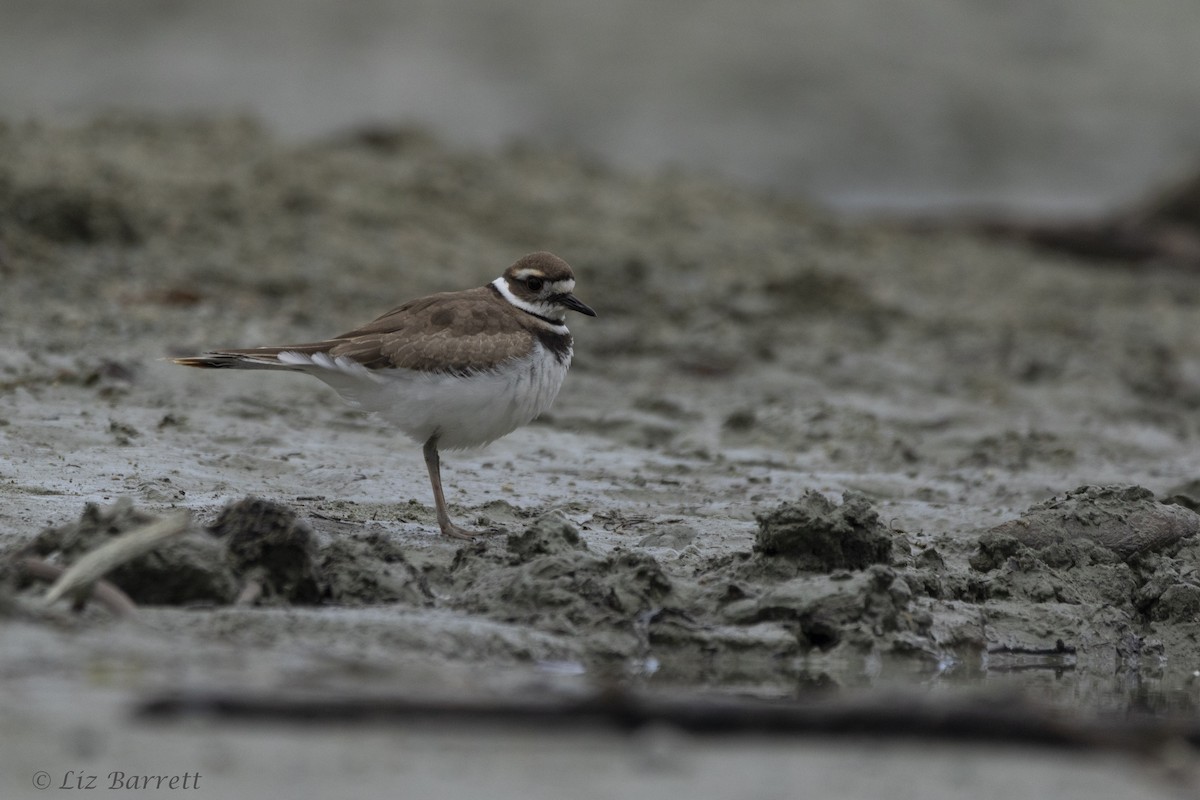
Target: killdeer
(452,370)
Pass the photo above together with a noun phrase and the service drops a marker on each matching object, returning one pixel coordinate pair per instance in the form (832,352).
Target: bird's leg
(433,464)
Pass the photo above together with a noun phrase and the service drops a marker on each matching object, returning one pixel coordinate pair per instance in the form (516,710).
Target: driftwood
(94,565)
(895,717)
(103,592)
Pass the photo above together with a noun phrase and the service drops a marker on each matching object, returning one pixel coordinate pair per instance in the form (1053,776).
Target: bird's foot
(455,532)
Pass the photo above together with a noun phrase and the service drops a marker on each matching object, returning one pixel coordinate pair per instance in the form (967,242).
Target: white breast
(464,411)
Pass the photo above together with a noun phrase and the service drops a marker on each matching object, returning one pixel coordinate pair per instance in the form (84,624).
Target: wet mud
(792,453)
(823,584)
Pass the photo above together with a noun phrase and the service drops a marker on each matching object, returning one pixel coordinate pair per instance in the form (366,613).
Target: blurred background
(1062,107)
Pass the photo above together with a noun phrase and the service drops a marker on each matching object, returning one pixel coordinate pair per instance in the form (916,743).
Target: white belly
(464,411)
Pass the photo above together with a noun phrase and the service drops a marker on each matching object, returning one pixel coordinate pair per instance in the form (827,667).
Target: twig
(103,592)
(895,717)
(1042,666)
(344,520)
(96,564)
(1060,648)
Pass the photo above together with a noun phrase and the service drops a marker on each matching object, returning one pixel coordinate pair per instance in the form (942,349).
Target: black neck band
(533,314)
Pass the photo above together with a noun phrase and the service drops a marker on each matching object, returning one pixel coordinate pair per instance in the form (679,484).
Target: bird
(453,370)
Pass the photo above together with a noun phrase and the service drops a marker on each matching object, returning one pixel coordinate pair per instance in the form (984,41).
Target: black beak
(575,304)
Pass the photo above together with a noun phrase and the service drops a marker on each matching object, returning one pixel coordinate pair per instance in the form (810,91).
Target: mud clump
(1169,590)
(267,541)
(1098,564)
(994,548)
(547,576)
(823,537)
(1180,602)
(252,541)
(872,608)
(188,570)
(1124,519)
(549,534)
(371,570)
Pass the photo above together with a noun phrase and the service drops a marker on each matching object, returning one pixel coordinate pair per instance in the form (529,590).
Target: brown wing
(454,332)
(448,332)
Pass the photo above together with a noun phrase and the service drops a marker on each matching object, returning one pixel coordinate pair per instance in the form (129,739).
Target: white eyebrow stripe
(543,311)
(564,286)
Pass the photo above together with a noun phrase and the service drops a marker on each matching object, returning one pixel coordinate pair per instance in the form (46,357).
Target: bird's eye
(534,284)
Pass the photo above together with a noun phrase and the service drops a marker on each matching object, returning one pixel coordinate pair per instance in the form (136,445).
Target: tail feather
(251,358)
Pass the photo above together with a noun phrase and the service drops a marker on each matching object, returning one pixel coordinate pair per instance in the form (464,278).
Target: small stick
(881,717)
(1060,648)
(94,565)
(103,592)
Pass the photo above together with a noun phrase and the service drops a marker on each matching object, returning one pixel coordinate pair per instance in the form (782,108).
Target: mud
(1102,549)
(191,569)
(775,614)
(822,537)
(266,540)
(791,453)
(1124,519)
